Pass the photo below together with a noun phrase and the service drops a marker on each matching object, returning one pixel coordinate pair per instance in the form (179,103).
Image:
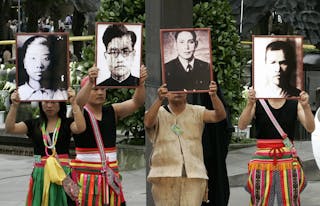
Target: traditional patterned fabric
(273,172)
(57,195)
(92,183)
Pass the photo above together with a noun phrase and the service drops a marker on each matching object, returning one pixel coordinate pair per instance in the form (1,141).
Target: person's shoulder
(32,123)
(292,102)
(108,108)
(195,107)
(131,81)
(200,63)
(172,62)
(23,87)
(106,82)
(25,91)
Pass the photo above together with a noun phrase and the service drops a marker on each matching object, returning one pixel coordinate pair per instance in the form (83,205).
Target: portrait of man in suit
(185,71)
(120,50)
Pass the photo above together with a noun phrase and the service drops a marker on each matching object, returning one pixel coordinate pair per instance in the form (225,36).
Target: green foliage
(80,69)
(122,11)
(3,102)
(241,140)
(228,59)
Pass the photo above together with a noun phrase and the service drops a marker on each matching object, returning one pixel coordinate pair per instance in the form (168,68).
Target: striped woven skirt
(57,195)
(274,174)
(93,185)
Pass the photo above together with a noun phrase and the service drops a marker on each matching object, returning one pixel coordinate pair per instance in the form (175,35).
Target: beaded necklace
(48,143)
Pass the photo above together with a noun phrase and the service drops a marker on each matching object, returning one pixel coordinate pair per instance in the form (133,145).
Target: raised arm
(82,96)
(248,112)
(126,108)
(79,123)
(150,117)
(219,113)
(10,124)
(305,115)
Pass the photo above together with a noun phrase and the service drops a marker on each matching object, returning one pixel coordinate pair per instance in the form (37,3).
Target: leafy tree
(227,56)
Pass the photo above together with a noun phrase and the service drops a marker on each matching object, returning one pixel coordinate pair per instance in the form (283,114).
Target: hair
(117,31)
(50,78)
(61,113)
(193,33)
(288,77)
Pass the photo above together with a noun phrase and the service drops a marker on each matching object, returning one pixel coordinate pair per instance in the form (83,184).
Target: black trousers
(215,149)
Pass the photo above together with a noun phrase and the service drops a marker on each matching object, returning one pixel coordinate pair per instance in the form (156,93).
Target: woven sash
(107,173)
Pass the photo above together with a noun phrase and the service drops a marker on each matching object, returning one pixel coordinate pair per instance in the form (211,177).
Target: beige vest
(171,151)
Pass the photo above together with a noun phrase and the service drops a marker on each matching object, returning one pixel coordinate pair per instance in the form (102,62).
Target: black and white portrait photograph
(277,66)
(42,66)
(186,59)
(118,54)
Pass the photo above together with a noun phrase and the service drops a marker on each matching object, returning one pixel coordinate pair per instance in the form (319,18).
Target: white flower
(10,86)
(245,92)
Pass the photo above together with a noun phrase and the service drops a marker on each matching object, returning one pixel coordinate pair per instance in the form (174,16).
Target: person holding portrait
(37,78)
(275,173)
(185,72)
(119,43)
(177,171)
(50,134)
(96,149)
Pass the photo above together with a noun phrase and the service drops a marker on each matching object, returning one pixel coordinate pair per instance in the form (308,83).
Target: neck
(96,109)
(177,107)
(276,103)
(120,78)
(53,118)
(276,90)
(52,121)
(34,84)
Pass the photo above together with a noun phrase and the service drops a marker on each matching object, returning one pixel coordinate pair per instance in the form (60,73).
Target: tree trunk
(34,9)
(4,27)
(77,29)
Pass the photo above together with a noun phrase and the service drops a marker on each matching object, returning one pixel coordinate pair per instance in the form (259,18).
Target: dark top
(35,134)
(178,79)
(130,81)
(107,127)
(286,116)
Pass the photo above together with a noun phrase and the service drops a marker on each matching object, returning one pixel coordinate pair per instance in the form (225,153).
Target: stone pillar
(160,14)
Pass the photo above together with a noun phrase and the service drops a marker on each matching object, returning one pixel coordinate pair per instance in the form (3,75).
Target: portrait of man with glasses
(118,54)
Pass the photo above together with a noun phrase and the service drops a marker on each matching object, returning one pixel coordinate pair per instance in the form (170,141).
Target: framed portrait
(186,59)
(118,54)
(42,66)
(277,66)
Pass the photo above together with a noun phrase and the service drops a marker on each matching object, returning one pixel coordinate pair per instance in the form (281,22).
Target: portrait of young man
(277,66)
(42,66)
(118,54)
(186,59)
